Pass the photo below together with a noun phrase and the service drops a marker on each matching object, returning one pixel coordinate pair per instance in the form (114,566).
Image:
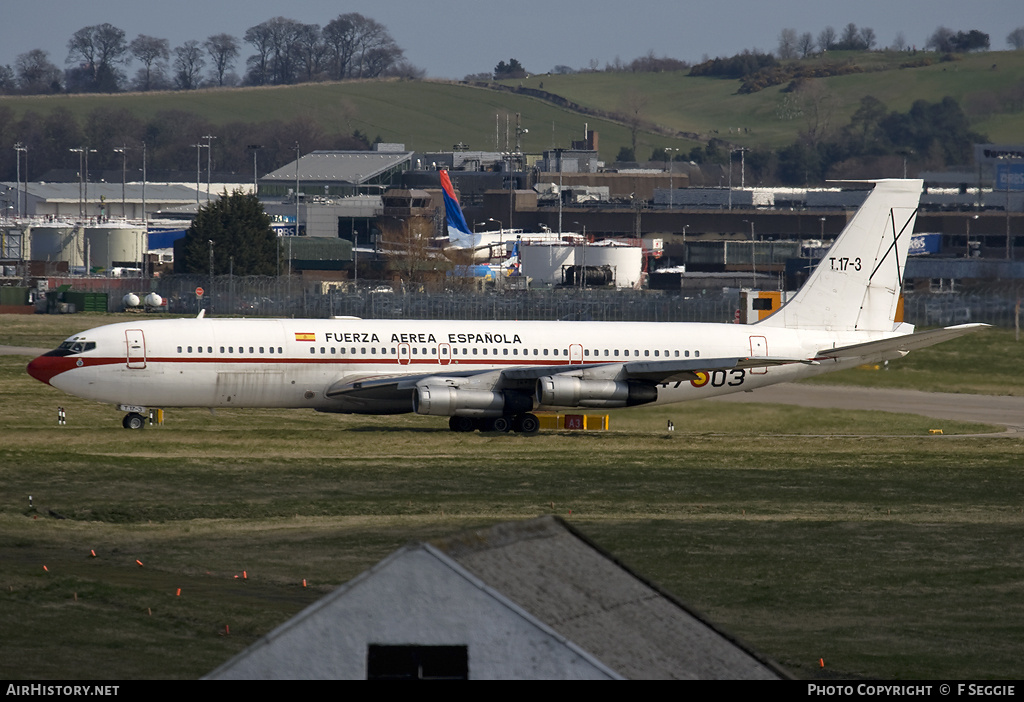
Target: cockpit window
(69,348)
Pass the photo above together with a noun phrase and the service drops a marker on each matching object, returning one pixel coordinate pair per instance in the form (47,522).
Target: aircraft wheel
(527,423)
(461,424)
(499,424)
(133,420)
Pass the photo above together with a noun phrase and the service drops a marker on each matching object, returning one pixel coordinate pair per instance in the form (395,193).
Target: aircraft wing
(899,346)
(523,378)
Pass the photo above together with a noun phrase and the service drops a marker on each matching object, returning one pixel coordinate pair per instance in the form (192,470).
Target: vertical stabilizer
(458,231)
(857,286)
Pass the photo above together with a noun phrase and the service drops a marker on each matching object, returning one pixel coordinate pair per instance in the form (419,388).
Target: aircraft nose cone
(43,368)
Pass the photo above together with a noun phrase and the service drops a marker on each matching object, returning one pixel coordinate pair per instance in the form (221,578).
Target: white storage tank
(545,263)
(56,243)
(110,246)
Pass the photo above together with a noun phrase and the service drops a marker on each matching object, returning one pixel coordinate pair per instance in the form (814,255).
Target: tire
(499,424)
(133,420)
(461,424)
(527,424)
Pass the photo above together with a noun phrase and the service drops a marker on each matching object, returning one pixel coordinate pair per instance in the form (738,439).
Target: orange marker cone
(139,562)
(245,575)
(179,593)
(46,569)
(92,552)
(821,662)
(303,582)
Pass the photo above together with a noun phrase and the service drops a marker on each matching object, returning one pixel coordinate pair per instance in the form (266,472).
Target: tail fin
(458,231)
(857,285)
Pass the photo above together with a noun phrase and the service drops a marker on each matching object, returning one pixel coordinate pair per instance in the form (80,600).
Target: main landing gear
(521,423)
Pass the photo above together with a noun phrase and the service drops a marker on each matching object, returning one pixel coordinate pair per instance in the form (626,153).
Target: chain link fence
(993,303)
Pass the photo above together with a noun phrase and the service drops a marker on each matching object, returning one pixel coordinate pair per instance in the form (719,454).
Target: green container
(87,301)
(13,296)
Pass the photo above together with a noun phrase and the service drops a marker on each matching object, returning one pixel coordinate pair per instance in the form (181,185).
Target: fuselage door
(136,344)
(444,354)
(758,347)
(575,353)
(404,354)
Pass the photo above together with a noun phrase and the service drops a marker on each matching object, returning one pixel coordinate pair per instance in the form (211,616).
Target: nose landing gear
(133,420)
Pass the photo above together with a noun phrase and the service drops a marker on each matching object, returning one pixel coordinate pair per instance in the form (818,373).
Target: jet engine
(570,391)
(449,401)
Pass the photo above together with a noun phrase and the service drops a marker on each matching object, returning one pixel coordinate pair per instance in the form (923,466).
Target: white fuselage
(292,363)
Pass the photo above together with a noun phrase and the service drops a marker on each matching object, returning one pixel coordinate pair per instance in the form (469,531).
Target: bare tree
(310,51)
(359,47)
(188,65)
(816,104)
(787,43)
(99,49)
(867,38)
(900,42)
(850,38)
(283,34)
(36,73)
(827,39)
(259,65)
(223,50)
(805,45)
(1016,38)
(632,108)
(150,52)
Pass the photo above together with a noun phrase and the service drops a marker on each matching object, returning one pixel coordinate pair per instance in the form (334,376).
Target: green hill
(989,86)
(429,115)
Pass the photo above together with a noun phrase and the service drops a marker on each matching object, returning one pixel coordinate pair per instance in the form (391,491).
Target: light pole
(210,242)
(199,170)
(297,152)
(583,264)
(83,179)
(753,253)
(80,151)
(145,217)
(18,149)
(501,233)
(209,150)
(671,172)
(969,235)
(123,150)
(255,149)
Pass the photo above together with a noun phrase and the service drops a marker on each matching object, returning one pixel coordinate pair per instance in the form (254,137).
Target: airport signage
(1009,176)
(925,244)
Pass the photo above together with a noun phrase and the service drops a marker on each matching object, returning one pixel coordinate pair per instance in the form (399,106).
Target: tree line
(286,52)
(169,139)
(930,135)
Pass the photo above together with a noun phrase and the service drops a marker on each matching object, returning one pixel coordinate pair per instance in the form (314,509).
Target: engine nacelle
(570,391)
(448,401)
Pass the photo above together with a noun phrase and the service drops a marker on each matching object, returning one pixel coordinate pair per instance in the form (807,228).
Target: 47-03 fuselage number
(716,379)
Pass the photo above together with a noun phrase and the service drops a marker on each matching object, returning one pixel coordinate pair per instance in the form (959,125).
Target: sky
(453,38)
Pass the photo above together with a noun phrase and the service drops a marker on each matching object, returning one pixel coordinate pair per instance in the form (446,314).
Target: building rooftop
(339,167)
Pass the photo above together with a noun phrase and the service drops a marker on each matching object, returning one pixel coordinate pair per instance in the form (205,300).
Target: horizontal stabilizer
(900,345)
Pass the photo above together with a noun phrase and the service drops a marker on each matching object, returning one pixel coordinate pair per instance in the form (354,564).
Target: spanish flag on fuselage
(305,336)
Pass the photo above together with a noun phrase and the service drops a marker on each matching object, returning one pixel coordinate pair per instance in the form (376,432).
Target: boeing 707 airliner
(493,375)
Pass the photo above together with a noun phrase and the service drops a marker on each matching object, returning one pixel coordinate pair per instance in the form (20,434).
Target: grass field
(845,536)
(433,115)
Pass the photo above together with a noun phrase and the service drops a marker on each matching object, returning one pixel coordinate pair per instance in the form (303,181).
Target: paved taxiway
(988,409)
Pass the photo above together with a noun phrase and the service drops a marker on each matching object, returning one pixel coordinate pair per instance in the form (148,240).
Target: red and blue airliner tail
(458,231)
